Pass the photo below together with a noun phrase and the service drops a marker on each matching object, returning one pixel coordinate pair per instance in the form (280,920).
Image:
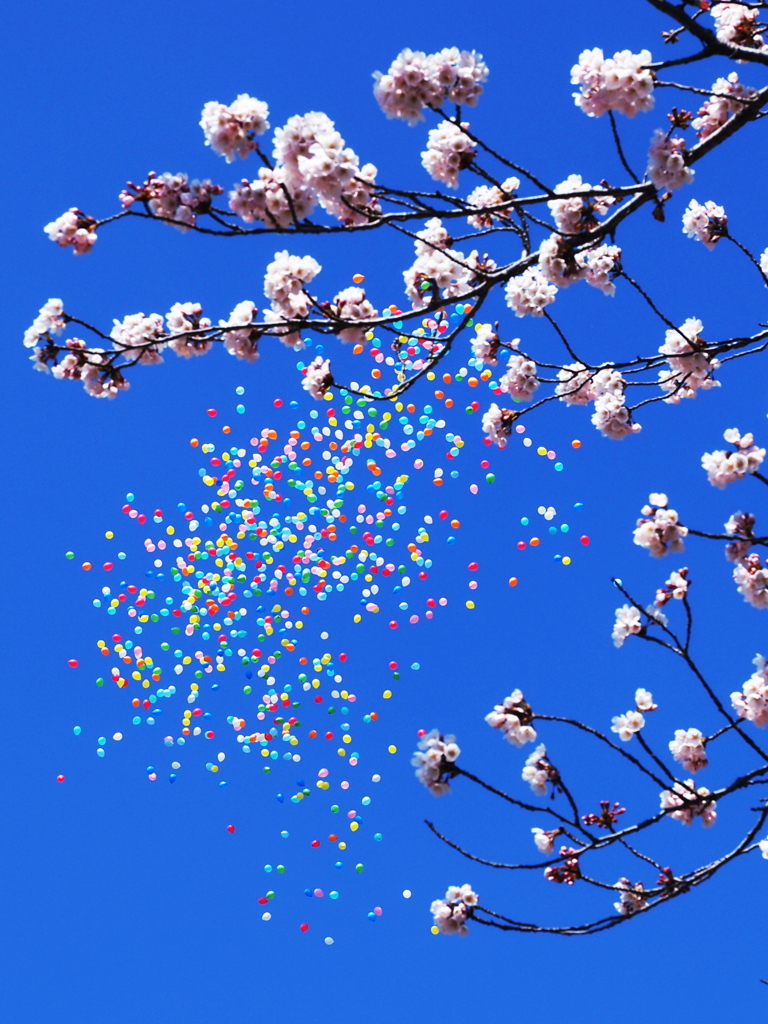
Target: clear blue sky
(127,901)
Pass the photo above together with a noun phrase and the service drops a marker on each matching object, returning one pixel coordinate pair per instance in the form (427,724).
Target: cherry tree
(543,237)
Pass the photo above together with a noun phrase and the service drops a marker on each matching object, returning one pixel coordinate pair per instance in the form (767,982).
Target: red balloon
(230,828)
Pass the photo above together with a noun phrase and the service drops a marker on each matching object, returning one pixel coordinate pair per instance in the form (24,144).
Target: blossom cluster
(707,223)
(231,130)
(688,748)
(485,196)
(741,527)
(685,803)
(567,872)
(545,840)
(659,530)
(318,377)
(433,761)
(520,379)
(751,578)
(537,771)
(513,717)
(736,23)
(73,228)
(633,721)
(417,80)
(691,366)
(578,214)
(725,467)
(675,587)
(751,702)
(449,150)
(438,269)
(628,623)
(667,168)
(450,914)
(728,97)
(172,197)
(621,82)
(631,897)
(497,424)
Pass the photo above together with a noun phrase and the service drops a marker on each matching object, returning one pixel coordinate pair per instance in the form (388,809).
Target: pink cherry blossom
(449,150)
(140,337)
(497,424)
(621,82)
(243,344)
(659,530)
(707,223)
(433,761)
(442,270)
(186,317)
(485,344)
(485,196)
(644,700)
(230,130)
(666,162)
(686,803)
(545,841)
(725,468)
(628,623)
(627,725)
(691,366)
(538,771)
(529,293)
(558,262)
(575,387)
(601,264)
(751,579)
(47,322)
(715,111)
(351,304)
(741,527)
(520,379)
(513,717)
(268,199)
(284,284)
(688,748)
(318,377)
(675,587)
(417,80)
(577,214)
(450,914)
(612,418)
(73,228)
(737,24)
(631,899)
(752,701)
(172,197)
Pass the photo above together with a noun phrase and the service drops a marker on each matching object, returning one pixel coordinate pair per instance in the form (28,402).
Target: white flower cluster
(675,587)
(513,717)
(628,623)
(284,284)
(142,337)
(691,368)
(707,223)
(666,162)
(73,228)
(725,468)
(529,293)
(268,200)
(628,724)
(545,841)
(621,82)
(450,915)
(751,579)
(48,321)
(631,898)
(520,379)
(318,377)
(351,304)
(172,197)
(561,265)
(438,269)
(244,344)
(715,111)
(658,529)
(186,317)
(497,424)
(417,80)
(231,130)
(491,195)
(485,344)
(577,214)
(736,23)
(537,771)
(435,754)
(449,150)
(741,527)
(686,803)
(314,157)
(688,748)
(751,702)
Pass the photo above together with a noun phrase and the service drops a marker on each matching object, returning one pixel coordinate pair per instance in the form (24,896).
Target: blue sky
(127,900)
